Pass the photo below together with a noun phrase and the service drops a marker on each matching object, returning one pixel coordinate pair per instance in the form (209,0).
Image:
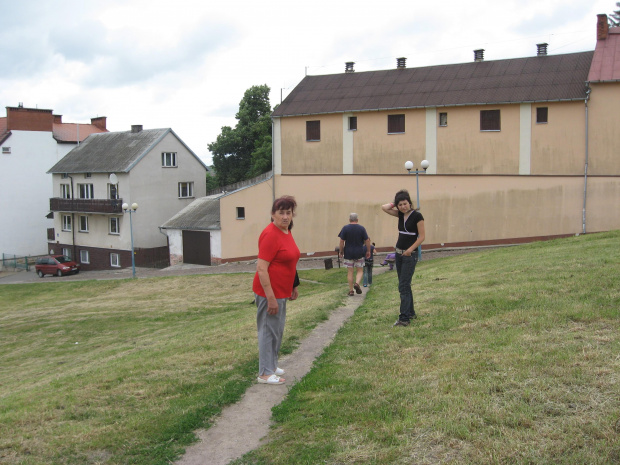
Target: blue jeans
(367,275)
(405,266)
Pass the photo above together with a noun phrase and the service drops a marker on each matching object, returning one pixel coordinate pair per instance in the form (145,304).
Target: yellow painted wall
(303,157)
(558,147)
(240,237)
(462,148)
(456,208)
(377,152)
(604,127)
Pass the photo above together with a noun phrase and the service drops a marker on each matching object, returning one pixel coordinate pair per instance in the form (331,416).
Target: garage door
(197,247)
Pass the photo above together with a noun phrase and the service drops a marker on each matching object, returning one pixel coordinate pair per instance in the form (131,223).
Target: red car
(59,265)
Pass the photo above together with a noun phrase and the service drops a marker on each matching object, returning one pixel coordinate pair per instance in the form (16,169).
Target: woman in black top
(410,236)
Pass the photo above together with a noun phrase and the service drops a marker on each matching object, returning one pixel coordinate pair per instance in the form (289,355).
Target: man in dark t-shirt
(353,237)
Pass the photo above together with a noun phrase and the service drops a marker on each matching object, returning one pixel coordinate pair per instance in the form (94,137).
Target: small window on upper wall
(6,150)
(542,114)
(443,119)
(490,120)
(241,213)
(352,123)
(313,130)
(186,190)
(396,124)
(169,159)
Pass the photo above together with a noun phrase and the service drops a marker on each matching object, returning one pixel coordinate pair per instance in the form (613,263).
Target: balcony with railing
(58,204)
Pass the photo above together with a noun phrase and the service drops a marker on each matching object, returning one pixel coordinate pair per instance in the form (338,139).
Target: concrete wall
(241,235)
(458,210)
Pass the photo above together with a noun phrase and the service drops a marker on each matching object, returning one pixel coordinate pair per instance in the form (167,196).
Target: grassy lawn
(120,372)
(515,359)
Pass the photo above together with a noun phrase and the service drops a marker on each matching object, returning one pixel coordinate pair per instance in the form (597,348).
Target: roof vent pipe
(401,63)
(479,54)
(542,49)
(348,67)
(136,128)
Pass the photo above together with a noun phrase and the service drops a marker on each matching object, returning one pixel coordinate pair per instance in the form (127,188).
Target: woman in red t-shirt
(275,282)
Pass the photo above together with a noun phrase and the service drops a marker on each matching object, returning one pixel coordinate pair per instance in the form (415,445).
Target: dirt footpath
(241,427)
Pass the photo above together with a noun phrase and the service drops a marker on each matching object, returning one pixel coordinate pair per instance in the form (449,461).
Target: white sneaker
(279,372)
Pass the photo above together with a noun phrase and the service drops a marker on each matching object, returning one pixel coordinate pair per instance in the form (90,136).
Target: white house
(153,168)
(31,140)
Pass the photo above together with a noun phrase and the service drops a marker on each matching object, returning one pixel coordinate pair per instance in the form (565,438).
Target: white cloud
(186,64)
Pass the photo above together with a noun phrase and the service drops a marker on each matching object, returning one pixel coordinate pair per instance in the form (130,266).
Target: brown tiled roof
(606,61)
(533,79)
(68,132)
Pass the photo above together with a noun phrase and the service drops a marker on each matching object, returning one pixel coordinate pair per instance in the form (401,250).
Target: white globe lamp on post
(127,209)
(409,167)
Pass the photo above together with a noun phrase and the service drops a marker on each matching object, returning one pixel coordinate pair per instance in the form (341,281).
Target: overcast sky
(186,64)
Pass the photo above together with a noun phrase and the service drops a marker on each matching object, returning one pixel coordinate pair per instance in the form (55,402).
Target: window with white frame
(84,256)
(83,223)
(86,191)
(88,175)
(6,150)
(66,252)
(65,191)
(115,260)
(186,190)
(66,222)
(169,159)
(352,123)
(115,225)
(113,191)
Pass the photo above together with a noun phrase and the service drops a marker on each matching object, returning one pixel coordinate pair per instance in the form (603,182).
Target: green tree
(244,151)
(614,18)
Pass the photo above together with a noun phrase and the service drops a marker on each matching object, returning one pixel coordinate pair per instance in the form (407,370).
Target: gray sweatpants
(270,330)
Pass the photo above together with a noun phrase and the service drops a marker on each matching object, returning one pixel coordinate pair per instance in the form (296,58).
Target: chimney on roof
(135,128)
(57,119)
(20,105)
(99,122)
(479,54)
(602,27)
(348,67)
(542,49)
(401,63)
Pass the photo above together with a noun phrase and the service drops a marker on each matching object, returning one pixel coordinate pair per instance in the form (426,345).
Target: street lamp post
(134,207)
(409,167)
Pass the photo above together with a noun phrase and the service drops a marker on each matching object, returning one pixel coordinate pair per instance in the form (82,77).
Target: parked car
(59,265)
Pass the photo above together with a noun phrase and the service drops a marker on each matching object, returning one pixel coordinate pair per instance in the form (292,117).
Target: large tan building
(518,149)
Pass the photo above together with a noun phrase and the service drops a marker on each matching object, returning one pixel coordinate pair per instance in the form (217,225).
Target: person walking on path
(275,282)
(411,234)
(368,264)
(353,237)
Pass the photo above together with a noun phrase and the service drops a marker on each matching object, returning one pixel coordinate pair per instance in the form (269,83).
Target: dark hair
(401,195)
(286,202)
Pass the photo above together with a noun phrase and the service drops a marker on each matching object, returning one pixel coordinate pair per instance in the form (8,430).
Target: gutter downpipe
(585,175)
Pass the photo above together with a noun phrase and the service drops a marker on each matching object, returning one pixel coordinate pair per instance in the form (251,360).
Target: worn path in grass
(241,427)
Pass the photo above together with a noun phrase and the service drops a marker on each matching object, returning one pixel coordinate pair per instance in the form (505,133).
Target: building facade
(519,150)
(32,140)
(152,168)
